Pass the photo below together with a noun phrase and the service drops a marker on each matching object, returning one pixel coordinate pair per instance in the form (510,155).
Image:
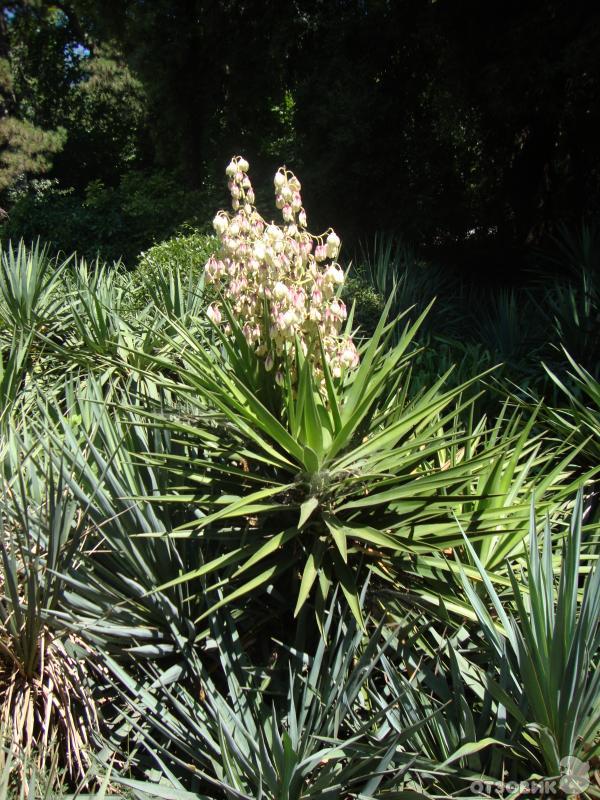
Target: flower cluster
(281,282)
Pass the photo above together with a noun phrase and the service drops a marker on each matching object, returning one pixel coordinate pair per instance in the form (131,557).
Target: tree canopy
(442,120)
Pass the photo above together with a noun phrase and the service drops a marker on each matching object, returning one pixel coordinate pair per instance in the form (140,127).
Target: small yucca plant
(545,643)
(45,703)
(29,281)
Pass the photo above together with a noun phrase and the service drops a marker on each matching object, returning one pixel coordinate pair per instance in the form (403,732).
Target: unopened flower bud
(213,313)
(333,245)
(320,252)
(349,355)
(220,223)
(280,291)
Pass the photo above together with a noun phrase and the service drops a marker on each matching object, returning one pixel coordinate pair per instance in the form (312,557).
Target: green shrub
(368,304)
(184,254)
(187,251)
(107,222)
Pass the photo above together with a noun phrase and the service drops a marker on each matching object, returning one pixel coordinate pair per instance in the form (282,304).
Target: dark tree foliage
(450,121)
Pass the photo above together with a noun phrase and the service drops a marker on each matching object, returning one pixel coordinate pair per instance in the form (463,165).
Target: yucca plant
(179,296)
(30,296)
(579,420)
(14,372)
(572,302)
(303,486)
(504,323)
(21,778)
(545,646)
(45,701)
(106,457)
(509,686)
(458,734)
(392,267)
(306,727)
(306,475)
(104,338)
(96,308)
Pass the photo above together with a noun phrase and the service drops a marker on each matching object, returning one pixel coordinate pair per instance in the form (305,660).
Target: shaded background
(472,129)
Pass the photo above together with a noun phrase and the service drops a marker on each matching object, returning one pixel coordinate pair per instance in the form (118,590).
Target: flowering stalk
(282,270)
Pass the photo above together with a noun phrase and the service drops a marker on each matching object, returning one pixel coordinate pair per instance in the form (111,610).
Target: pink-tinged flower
(231,168)
(320,252)
(281,266)
(349,355)
(210,269)
(279,379)
(336,371)
(305,247)
(214,313)
(299,299)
